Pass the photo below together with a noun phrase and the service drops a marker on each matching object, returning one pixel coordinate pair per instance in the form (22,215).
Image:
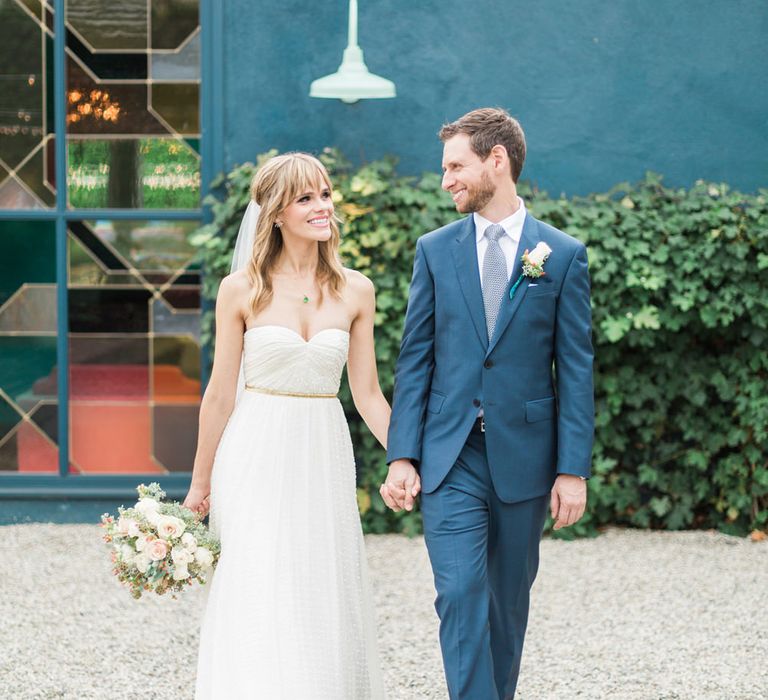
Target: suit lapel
(465,259)
(528,240)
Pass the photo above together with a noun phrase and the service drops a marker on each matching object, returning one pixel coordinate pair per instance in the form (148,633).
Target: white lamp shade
(353,81)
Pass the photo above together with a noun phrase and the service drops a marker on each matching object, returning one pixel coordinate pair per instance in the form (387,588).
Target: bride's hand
(401,486)
(198,500)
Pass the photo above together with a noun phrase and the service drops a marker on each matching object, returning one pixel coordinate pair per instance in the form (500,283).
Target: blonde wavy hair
(277,183)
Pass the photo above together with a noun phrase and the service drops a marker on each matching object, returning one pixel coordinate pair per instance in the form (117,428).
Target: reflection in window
(134,173)
(26,141)
(134,321)
(133,93)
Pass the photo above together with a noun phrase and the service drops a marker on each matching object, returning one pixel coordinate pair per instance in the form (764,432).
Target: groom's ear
(500,159)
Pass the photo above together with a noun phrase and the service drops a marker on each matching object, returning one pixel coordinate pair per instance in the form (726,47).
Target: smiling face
(465,176)
(309,214)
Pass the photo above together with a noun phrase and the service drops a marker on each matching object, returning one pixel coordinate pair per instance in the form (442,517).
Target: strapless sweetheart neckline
(296,333)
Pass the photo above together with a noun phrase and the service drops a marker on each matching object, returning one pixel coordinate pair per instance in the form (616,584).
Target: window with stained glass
(131,142)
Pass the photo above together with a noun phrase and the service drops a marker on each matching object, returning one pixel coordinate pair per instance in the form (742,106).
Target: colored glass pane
(173,21)
(109,24)
(180,64)
(28,396)
(176,104)
(134,315)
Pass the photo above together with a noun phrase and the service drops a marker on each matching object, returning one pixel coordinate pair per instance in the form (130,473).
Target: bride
(289,611)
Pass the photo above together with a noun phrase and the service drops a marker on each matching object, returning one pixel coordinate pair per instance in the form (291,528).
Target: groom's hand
(402,485)
(569,499)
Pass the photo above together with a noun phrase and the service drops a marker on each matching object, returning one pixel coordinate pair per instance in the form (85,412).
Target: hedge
(680,315)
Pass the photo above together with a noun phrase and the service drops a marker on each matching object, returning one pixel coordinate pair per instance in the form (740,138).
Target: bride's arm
(361,364)
(219,397)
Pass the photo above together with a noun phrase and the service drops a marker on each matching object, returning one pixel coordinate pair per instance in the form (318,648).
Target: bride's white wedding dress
(289,611)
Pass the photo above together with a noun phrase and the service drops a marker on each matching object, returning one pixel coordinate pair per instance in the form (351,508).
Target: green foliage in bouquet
(680,315)
(159,546)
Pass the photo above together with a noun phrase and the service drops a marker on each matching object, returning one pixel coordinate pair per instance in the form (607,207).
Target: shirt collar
(512,225)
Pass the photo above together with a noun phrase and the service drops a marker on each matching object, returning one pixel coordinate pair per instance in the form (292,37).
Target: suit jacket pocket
(540,409)
(540,290)
(435,403)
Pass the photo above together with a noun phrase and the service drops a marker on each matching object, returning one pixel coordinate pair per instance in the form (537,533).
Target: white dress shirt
(513,228)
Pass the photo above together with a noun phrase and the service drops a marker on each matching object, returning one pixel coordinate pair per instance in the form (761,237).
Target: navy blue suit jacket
(533,379)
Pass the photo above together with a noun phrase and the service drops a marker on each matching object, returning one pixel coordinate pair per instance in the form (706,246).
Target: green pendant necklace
(305,299)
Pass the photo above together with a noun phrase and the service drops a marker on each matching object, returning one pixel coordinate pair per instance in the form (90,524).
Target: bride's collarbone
(289,309)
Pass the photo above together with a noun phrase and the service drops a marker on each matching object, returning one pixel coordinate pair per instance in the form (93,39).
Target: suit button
(488,364)
(476,403)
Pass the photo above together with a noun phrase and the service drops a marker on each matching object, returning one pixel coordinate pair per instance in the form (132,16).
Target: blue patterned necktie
(494,276)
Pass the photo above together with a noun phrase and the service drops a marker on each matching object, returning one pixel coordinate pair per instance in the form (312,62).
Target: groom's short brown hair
(489,127)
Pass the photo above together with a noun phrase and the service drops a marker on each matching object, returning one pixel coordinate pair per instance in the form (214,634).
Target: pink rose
(157,550)
(169,526)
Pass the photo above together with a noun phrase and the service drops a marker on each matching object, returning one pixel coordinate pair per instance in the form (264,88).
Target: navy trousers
(484,555)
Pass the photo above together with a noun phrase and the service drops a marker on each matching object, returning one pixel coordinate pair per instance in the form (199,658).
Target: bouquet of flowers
(159,546)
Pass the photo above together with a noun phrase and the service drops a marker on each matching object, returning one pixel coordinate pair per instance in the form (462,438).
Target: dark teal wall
(604,90)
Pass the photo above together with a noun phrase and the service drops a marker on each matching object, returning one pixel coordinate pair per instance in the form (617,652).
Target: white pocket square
(534,284)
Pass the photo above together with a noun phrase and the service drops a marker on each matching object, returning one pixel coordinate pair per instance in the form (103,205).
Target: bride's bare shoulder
(234,290)
(358,283)
(359,293)
(235,282)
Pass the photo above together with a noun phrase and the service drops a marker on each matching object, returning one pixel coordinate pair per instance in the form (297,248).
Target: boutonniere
(533,264)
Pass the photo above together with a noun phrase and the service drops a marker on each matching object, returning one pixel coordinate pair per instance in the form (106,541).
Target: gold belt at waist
(274,392)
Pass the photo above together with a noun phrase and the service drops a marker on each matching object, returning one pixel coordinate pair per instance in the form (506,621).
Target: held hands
(198,500)
(402,485)
(569,499)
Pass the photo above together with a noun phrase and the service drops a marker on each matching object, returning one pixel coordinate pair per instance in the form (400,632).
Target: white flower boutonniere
(533,264)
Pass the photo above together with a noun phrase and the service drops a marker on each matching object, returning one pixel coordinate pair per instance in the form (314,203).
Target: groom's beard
(479,196)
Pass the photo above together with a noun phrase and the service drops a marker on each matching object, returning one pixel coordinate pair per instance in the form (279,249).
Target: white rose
(169,526)
(142,541)
(141,562)
(147,506)
(153,517)
(189,541)
(127,554)
(539,254)
(181,556)
(204,557)
(122,525)
(180,573)
(133,529)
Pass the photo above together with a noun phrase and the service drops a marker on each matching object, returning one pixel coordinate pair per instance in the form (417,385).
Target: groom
(493,411)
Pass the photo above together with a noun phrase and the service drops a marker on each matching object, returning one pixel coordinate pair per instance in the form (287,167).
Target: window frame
(105,486)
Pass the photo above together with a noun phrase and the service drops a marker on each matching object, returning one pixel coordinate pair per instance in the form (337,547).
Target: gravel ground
(629,615)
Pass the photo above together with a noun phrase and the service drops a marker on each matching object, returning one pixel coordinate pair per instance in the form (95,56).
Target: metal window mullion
(212,126)
(62,315)
(27,214)
(85,214)
(133,214)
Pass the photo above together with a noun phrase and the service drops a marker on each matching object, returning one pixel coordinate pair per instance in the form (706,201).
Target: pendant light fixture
(353,81)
